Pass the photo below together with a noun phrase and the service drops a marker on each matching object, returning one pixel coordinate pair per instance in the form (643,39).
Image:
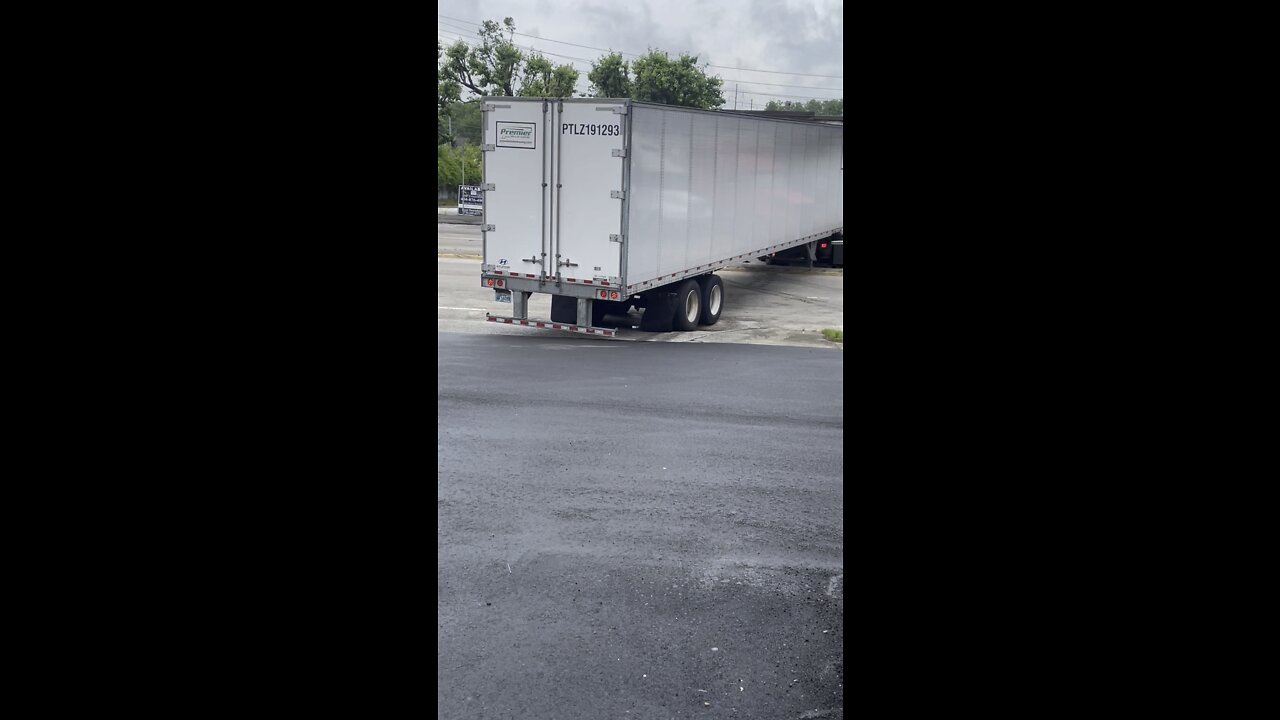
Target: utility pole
(451,143)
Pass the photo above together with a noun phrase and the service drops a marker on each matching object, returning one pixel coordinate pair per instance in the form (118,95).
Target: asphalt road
(644,530)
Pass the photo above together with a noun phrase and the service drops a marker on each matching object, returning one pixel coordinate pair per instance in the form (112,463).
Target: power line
(762,84)
(527,47)
(582,77)
(590,47)
(798,87)
(455,25)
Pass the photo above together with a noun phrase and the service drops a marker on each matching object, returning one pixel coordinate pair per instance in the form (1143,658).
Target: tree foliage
(656,77)
(459,123)
(821,107)
(679,81)
(610,77)
(542,79)
(495,66)
(447,89)
(457,166)
(489,68)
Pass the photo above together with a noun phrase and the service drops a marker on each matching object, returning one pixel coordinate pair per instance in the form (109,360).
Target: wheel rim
(691,306)
(713,303)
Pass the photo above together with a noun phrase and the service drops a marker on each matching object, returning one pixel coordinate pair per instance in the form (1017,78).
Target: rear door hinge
(487,147)
(619,152)
(619,194)
(615,238)
(488,186)
(489,228)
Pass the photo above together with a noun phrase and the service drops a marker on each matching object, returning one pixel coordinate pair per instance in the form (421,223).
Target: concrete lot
(764,305)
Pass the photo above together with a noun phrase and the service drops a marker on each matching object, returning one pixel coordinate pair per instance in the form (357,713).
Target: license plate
(502,295)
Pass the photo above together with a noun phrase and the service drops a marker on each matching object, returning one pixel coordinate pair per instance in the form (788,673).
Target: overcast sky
(787,36)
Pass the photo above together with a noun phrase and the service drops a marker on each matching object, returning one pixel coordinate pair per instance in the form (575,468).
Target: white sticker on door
(517,135)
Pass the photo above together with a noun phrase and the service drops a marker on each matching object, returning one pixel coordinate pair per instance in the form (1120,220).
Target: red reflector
(613,296)
(489,282)
(499,283)
(824,246)
(602,293)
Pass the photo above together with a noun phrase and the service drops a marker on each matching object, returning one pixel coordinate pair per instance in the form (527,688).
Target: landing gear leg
(520,304)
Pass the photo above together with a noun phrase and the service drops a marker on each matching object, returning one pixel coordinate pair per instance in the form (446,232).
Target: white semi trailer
(607,204)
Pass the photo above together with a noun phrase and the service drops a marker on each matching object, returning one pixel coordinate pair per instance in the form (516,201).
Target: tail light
(489,282)
(824,246)
(604,293)
(613,296)
(501,283)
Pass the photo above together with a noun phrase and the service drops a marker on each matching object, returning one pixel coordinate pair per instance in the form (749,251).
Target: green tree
(457,166)
(542,79)
(471,171)
(820,107)
(488,68)
(496,65)
(448,167)
(660,79)
(610,77)
(447,88)
(459,123)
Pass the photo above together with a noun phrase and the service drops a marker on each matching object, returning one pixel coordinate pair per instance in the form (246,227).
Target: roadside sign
(470,200)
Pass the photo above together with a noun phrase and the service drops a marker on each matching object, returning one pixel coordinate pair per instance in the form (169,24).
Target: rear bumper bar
(548,325)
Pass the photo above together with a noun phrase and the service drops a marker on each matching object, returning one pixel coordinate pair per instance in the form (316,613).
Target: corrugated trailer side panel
(643,195)
(724,224)
(706,187)
(702,186)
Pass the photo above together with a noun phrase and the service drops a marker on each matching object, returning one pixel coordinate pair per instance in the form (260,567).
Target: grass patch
(833,335)
(447,202)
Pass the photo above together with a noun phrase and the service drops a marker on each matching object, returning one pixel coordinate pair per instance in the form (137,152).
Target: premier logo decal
(517,135)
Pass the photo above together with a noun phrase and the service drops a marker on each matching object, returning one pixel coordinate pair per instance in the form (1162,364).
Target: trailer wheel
(688,306)
(600,308)
(712,298)
(658,309)
(564,309)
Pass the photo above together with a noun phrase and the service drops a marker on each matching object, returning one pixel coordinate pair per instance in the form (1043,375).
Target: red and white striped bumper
(552,325)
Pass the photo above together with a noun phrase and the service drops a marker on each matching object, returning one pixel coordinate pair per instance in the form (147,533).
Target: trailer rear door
(517,197)
(590,145)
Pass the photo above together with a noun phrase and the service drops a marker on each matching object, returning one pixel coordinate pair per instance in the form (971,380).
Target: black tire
(600,308)
(658,309)
(688,306)
(564,309)
(712,288)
